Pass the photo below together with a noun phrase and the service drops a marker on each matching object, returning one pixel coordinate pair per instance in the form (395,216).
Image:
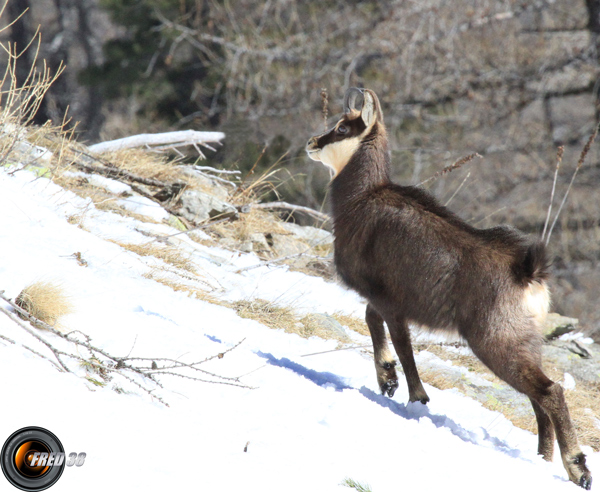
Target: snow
(308,423)
(569,382)
(577,337)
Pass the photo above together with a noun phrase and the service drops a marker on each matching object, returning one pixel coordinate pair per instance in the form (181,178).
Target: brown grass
(169,255)
(584,407)
(268,314)
(256,221)
(117,208)
(470,362)
(195,293)
(281,318)
(147,164)
(102,199)
(45,301)
(583,401)
(355,324)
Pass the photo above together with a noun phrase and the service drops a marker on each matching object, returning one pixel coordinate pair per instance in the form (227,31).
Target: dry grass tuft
(200,294)
(169,255)
(268,314)
(147,164)
(469,362)
(111,206)
(258,188)
(583,401)
(282,318)
(102,199)
(584,407)
(45,301)
(355,324)
(312,326)
(256,221)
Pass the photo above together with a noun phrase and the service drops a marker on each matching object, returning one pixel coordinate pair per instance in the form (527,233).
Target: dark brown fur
(415,261)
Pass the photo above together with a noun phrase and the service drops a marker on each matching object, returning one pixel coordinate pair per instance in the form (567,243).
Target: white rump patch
(537,300)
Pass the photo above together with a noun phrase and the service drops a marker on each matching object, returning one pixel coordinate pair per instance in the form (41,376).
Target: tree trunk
(593,8)
(91,117)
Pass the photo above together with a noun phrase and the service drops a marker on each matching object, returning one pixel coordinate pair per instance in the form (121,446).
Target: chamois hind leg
(545,432)
(518,362)
(385,365)
(400,336)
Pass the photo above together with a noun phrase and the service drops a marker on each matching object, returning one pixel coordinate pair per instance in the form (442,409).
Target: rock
(311,235)
(480,386)
(228,243)
(556,325)
(197,206)
(286,245)
(210,186)
(246,247)
(259,241)
(580,360)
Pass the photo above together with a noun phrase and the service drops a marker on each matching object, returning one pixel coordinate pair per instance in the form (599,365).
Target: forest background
(510,80)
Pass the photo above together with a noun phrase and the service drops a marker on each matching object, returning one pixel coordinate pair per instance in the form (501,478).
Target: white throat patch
(337,155)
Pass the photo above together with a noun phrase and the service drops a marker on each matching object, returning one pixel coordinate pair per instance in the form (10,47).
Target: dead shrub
(45,301)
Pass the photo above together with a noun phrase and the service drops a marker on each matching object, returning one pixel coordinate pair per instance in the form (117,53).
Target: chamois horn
(350,98)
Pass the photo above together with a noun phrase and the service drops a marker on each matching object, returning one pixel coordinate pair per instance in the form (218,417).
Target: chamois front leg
(385,365)
(400,335)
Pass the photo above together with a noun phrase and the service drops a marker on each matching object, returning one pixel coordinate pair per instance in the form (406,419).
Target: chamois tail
(536,265)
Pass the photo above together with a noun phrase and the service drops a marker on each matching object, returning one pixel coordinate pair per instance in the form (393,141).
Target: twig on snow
(106,365)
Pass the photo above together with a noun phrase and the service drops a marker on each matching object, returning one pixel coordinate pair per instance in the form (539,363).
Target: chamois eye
(342,130)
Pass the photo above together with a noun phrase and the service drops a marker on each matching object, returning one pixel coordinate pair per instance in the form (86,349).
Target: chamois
(415,261)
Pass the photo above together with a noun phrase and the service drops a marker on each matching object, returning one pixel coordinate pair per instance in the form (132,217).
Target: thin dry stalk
(489,215)
(459,163)
(251,172)
(458,189)
(559,155)
(293,208)
(261,186)
(20,99)
(325,106)
(582,157)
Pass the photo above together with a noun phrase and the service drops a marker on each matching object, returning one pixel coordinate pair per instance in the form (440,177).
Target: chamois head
(335,147)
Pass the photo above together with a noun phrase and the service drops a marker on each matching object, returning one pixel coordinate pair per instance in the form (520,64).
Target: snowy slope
(310,421)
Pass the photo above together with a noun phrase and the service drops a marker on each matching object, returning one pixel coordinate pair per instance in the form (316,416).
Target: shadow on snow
(410,411)
(323,379)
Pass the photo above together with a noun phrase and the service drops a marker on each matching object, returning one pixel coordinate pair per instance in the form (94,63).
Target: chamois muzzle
(311,145)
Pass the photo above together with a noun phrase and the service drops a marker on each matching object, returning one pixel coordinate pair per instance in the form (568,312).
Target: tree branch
(160,141)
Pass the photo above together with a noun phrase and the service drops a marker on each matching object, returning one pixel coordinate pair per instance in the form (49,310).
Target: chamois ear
(371,110)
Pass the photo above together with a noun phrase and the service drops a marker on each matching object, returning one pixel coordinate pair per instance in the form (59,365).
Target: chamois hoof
(586,481)
(579,473)
(389,387)
(423,398)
